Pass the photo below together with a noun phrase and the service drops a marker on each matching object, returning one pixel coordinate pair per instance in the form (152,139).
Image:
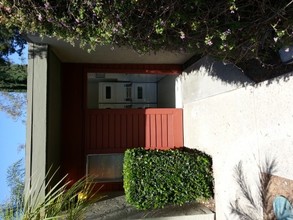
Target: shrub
(155,178)
(60,202)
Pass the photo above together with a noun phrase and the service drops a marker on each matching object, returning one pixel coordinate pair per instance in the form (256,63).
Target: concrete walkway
(116,208)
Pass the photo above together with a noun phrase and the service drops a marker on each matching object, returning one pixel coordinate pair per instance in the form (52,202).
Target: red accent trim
(171,69)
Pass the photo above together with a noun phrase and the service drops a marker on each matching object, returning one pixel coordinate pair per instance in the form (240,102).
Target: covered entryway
(110,108)
(128,110)
(58,110)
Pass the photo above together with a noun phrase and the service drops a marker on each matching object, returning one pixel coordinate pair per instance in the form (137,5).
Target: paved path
(115,208)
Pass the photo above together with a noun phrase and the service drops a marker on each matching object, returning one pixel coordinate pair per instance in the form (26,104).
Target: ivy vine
(234,30)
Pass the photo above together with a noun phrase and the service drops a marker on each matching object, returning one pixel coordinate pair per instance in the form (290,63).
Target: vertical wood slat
(178,130)
(153,131)
(99,131)
(105,130)
(171,131)
(123,131)
(93,130)
(112,134)
(164,131)
(135,132)
(141,132)
(129,129)
(114,130)
(159,127)
(117,128)
(147,132)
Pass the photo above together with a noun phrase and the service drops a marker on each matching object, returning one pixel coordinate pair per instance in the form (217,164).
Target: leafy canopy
(229,29)
(13,78)
(11,42)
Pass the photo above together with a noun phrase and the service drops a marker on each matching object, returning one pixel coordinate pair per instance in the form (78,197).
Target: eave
(108,54)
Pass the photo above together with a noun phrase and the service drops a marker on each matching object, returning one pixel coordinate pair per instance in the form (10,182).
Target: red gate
(114,130)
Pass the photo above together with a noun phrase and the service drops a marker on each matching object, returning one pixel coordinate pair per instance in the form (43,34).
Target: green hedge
(154,178)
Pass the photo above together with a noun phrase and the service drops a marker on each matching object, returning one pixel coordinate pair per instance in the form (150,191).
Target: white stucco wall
(208,77)
(245,122)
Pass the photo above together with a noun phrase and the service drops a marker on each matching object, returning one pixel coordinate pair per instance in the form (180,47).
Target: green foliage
(15,180)
(13,86)
(11,41)
(154,178)
(229,29)
(13,78)
(60,202)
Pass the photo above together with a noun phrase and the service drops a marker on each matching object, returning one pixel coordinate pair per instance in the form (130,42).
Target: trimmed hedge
(155,178)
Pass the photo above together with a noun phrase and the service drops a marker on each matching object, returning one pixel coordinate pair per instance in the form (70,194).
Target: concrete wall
(36,139)
(43,117)
(166,92)
(207,77)
(250,124)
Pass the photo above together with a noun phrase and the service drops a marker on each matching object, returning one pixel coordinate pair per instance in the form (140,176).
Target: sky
(12,134)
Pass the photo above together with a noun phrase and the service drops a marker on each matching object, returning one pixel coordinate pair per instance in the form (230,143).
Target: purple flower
(182,35)
(47,5)
(40,18)
(227,32)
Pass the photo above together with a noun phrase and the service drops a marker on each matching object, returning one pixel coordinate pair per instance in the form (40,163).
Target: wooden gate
(115,130)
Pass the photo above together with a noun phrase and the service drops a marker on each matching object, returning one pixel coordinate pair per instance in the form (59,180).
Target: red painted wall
(72,113)
(111,131)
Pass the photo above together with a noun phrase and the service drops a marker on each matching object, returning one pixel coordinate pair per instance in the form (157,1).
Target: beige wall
(43,118)
(36,136)
(244,123)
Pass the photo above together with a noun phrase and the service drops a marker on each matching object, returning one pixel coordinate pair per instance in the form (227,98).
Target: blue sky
(12,134)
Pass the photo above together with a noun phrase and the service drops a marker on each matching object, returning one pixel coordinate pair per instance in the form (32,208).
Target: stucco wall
(250,124)
(208,77)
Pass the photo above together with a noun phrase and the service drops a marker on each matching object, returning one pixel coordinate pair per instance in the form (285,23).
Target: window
(105,167)
(108,92)
(139,92)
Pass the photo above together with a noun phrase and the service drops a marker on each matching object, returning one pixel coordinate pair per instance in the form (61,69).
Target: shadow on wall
(282,78)
(249,73)
(37,51)
(227,73)
(272,198)
(259,72)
